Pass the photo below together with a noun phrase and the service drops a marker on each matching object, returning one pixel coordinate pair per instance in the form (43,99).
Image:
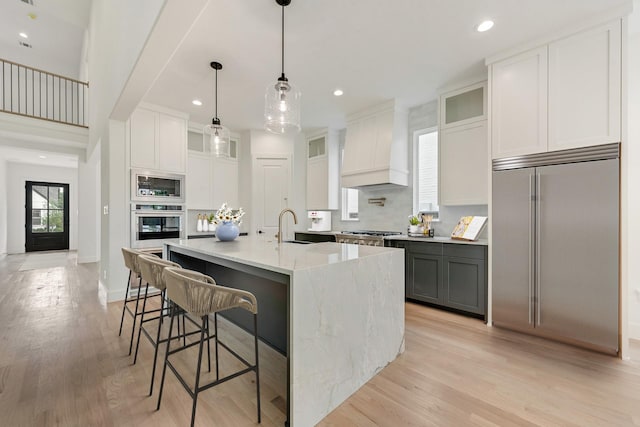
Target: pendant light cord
(216,94)
(282,40)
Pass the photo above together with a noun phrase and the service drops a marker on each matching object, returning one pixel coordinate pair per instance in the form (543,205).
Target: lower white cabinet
(464,165)
(211,181)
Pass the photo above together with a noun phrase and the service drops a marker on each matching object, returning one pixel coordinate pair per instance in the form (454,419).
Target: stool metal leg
(166,355)
(155,352)
(215,331)
(144,307)
(197,383)
(124,306)
(255,336)
(208,345)
(135,314)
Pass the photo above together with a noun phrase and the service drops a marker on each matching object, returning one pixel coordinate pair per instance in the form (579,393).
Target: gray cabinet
(446,274)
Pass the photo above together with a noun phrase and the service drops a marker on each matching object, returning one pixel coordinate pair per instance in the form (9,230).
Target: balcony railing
(35,93)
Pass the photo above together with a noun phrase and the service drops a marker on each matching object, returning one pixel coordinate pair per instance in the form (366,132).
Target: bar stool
(131,262)
(198,295)
(151,269)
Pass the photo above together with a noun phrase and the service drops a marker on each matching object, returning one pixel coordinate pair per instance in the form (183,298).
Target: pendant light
(282,99)
(216,135)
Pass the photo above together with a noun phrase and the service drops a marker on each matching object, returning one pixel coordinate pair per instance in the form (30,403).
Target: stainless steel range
(364,237)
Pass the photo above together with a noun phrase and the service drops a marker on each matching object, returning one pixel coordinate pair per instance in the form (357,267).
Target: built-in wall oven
(151,224)
(154,187)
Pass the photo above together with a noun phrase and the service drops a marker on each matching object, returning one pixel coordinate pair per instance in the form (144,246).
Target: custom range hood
(375,148)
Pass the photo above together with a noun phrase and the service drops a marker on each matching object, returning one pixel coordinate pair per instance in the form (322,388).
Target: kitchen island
(335,310)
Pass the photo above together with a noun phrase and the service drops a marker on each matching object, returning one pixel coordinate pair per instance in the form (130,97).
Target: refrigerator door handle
(532,233)
(538,203)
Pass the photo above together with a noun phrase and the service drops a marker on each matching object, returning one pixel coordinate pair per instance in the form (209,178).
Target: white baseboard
(634,331)
(88,259)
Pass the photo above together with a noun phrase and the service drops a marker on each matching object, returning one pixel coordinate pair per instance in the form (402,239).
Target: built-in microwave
(154,187)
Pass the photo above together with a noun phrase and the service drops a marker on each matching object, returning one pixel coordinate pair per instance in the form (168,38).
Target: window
(349,204)
(425,193)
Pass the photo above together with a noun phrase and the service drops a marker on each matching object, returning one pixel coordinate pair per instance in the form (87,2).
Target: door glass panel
(56,197)
(39,220)
(39,197)
(56,220)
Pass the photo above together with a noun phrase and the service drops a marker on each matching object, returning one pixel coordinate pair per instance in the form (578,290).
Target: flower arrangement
(413,220)
(225,215)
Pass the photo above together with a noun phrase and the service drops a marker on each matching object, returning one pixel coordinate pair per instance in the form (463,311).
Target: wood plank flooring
(63,364)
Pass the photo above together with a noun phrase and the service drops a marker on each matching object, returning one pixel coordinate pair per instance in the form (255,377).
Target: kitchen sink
(301,242)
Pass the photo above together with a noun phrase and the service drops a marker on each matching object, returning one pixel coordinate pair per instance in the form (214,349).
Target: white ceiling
(21,155)
(57,34)
(372,49)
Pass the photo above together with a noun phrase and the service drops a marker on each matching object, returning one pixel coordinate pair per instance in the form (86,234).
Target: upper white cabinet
(322,171)
(463,106)
(211,180)
(563,95)
(519,104)
(464,159)
(375,150)
(584,88)
(464,165)
(158,140)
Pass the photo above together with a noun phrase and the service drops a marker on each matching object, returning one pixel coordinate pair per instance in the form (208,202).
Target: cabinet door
(464,165)
(143,139)
(199,182)
(225,182)
(172,143)
(317,183)
(519,104)
(424,273)
(584,88)
(464,284)
(463,106)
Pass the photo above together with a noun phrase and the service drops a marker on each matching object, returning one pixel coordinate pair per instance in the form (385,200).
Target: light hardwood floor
(63,364)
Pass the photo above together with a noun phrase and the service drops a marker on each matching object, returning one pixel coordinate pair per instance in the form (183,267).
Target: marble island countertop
(283,258)
(336,310)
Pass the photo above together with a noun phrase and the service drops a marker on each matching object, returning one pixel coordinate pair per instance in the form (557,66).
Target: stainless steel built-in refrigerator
(555,245)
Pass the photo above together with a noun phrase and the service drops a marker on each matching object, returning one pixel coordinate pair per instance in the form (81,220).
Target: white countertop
(284,258)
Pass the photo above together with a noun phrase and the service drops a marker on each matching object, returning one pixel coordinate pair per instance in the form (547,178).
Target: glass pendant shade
(217,136)
(282,108)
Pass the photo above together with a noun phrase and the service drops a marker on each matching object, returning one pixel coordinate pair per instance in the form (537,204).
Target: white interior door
(271,195)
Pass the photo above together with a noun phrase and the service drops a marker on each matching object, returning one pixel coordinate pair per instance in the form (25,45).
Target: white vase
(205,225)
(199,225)
(414,229)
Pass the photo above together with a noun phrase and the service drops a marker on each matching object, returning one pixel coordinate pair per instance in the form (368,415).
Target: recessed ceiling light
(42,157)
(338,92)
(23,35)
(484,26)
(196,102)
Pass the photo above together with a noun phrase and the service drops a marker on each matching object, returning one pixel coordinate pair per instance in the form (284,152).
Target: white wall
(88,208)
(118,30)
(3,207)
(632,151)
(22,172)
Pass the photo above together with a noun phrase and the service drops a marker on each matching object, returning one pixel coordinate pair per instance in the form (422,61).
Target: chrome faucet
(295,221)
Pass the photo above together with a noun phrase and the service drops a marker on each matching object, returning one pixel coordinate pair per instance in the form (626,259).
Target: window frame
(415,178)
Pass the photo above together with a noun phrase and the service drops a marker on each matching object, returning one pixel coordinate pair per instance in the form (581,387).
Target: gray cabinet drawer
(426,248)
(464,251)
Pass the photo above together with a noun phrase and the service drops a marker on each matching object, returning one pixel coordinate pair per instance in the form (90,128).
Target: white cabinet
(463,106)
(322,171)
(199,185)
(519,104)
(211,180)
(158,140)
(566,94)
(375,150)
(584,88)
(464,165)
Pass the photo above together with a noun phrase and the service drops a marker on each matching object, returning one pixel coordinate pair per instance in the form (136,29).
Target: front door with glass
(47,216)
